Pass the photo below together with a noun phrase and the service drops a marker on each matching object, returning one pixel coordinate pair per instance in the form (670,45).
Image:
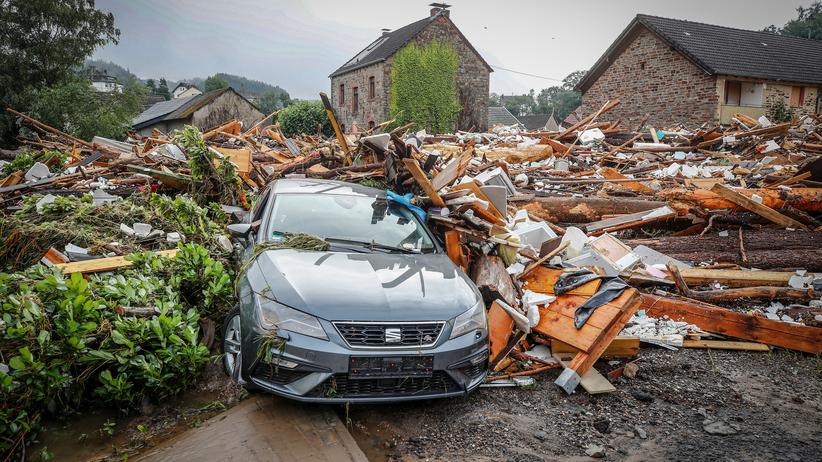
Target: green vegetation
(211,184)
(781,112)
(215,82)
(304,117)
(69,341)
(26,159)
(560,100)
(808,23)
(424,87)
(248,87)
(42,56)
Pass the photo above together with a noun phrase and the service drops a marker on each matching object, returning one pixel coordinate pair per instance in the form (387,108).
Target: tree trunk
(766,249)
(562,209)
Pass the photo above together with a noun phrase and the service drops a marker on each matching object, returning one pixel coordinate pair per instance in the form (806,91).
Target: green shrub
(66,345)
(303,117)
(781,112)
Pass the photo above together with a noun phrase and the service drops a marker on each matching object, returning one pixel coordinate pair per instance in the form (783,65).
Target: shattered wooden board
(620,347)
(557,321)
(239,157)
(719,320)
(500,327)
(103,264)
(542,280)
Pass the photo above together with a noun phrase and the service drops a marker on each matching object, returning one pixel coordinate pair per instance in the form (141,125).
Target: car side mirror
(239,230)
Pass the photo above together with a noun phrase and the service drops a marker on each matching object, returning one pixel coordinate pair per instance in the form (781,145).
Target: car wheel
(232,345)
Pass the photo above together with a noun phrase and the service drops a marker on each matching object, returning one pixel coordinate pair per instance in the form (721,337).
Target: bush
(303,117)
(781,112)
(70,342)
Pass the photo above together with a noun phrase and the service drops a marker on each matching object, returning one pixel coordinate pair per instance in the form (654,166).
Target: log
(805,199)
(719,320)
(765,212)
(561,209)
(766,249)
(730,295)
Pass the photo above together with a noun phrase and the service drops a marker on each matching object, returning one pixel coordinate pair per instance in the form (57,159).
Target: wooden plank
(239,157)
(103,264)
(725,345)
(735,278)
(567,305)
(414,167)
(629,301)
(562,327)
(542,280)
(489,274)
(474,188)
(636,186)
(453,170)
(757,208)
(792,180)
(453,247)
(500,327)
(329,111)
(620,347)
(592,381)
(712,318)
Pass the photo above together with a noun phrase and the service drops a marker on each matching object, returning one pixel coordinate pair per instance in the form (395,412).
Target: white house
(185,89)
(103,82)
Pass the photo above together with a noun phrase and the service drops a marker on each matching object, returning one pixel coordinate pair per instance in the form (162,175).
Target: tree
(152,86)
(303,117)
(162,89)
(808,23)
(424,86)
(74,107)
(41,44)
(493,100)
(215,82)
(519,105)
(572,79)
(272,100)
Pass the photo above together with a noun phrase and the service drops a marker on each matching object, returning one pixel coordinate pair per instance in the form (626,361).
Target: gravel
(719,405)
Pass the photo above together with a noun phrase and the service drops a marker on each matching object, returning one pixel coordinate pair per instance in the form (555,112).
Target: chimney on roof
(385,32)
(440,8)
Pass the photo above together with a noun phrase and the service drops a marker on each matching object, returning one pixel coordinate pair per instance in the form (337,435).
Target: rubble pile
(584,242)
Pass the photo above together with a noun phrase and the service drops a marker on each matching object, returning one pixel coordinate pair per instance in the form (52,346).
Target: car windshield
(358,219)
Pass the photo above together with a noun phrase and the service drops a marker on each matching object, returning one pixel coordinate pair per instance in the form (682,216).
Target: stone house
(205,111)
(686,72)
(360,88)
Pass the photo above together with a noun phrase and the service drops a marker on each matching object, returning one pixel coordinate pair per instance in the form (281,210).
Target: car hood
(340,286)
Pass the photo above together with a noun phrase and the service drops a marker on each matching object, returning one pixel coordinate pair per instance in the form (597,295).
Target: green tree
(572,79)
(493,100)
(41,44)
(152,86)
(424,86)
(273,100)
(304,117)
(519,105)
(73,106)
(215,82)
(162,89)
(808,23)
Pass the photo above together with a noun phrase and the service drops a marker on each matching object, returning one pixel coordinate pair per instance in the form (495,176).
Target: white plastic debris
(38,171)
(591,136)
(521,180)
(141,230)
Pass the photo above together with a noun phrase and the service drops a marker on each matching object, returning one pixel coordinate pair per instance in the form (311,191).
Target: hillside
(122,74)
(243,85)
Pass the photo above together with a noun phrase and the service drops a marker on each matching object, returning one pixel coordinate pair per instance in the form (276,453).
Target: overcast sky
(297,44)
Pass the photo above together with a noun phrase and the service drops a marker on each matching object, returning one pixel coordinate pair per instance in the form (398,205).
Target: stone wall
(472,84)
(369,109)
(224,108)
(650,78)
(778,92)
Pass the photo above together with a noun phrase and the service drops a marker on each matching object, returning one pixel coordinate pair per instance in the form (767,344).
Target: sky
(297,44)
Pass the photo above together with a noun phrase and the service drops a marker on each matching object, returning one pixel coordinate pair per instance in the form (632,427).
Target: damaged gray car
(381,315)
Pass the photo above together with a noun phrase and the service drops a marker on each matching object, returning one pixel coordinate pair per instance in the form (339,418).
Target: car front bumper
(458,367)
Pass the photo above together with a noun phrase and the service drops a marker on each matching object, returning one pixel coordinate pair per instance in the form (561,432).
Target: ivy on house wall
(424,87)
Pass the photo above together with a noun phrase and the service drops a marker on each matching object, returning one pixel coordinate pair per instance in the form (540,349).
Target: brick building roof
(390,42)
(720,50)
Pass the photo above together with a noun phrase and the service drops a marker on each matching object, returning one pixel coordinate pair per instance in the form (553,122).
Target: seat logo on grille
(393,335)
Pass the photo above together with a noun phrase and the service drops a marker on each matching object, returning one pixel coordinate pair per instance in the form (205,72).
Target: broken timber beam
(712,318)
(757,208)
(563,209)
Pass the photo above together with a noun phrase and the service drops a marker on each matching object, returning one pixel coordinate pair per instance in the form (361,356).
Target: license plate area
(386,367)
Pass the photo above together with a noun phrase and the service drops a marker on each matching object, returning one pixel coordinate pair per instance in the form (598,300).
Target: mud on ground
(769,403)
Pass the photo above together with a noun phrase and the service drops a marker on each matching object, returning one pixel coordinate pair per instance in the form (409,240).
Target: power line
(526,73)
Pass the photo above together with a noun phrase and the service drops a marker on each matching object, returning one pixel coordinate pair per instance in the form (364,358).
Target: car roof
(315,186)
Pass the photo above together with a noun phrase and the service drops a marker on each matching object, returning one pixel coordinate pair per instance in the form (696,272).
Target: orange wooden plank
(500,328)
(562,327)
(542,280)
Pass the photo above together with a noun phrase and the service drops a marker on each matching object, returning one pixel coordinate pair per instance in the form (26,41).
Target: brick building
(687,72)
(360,88)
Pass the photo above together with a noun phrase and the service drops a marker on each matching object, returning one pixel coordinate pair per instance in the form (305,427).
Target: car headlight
(276,315)
(470,320)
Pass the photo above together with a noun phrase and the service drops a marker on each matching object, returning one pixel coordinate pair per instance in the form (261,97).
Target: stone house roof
(390,42)
(720,50)
(499,115)
(180,108)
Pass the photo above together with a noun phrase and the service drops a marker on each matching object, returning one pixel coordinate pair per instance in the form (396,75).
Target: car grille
(278,375)
(475,370)
(364,335)
(341,386)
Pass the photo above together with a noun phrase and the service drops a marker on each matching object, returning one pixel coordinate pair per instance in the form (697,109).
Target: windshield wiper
(372,245)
